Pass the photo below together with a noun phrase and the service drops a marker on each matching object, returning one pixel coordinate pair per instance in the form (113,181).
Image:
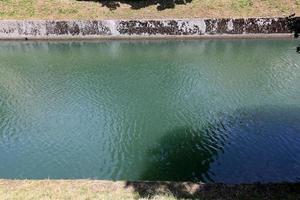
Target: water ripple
(213,111)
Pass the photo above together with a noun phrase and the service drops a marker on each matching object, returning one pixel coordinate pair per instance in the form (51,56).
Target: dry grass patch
(50,189)
(108,190)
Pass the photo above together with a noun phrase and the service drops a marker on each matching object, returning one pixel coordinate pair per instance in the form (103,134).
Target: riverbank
(96,189)
(133,29)
(149,9)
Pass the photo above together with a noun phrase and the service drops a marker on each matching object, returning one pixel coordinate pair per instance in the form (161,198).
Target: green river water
(207,110)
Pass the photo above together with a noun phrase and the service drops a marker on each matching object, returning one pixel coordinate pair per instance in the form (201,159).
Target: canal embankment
(135,29)
(95,189)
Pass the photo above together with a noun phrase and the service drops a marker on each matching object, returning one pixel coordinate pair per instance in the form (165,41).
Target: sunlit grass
(74,9)
(107,190)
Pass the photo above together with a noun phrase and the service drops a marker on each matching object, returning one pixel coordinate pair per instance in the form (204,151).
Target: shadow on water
(138,4)
(186,154)
(183,154)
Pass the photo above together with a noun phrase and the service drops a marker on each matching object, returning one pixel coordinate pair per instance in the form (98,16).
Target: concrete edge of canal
(141,29)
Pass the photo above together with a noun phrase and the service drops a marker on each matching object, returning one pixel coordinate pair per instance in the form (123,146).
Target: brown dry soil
(150,9)
(96,189)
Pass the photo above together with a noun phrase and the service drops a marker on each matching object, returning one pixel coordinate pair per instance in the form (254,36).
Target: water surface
(209,110)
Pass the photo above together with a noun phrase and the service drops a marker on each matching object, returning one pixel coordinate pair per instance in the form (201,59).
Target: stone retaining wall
(18,29)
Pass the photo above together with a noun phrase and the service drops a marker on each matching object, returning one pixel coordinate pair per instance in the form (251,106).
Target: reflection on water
(213,111)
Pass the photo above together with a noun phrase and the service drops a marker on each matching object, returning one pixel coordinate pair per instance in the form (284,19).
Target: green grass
(243,3)
(75,9)
(67,11)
